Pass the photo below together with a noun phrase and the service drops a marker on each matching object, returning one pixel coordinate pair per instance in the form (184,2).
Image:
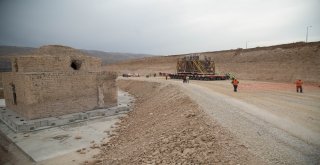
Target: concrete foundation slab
(2,103)
(48,143)
(20,124)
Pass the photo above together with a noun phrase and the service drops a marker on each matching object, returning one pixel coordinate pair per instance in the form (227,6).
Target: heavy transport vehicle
(191,66)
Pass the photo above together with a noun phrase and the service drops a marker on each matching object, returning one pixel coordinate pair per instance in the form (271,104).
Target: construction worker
(299,85)
(184,79)
(235,83)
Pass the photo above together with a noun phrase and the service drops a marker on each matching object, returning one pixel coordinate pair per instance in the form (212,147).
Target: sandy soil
(167,127)
(272,121)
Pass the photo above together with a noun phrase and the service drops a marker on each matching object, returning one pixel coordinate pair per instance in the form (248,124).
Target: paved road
(274,138)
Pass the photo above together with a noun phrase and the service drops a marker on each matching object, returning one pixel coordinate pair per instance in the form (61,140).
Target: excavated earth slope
(167,127)
(282,63)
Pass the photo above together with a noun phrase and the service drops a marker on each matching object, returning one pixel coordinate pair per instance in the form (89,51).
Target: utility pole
(307,33)
(247,44)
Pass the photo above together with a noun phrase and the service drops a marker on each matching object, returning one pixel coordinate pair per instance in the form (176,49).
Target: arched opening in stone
(76,64)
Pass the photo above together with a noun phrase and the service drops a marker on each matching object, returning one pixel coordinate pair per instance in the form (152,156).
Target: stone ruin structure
(57,80)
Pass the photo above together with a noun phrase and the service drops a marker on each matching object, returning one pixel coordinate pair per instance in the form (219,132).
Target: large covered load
(193,64)
(194,68)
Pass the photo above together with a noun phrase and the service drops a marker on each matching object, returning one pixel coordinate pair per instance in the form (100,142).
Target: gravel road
(274,138)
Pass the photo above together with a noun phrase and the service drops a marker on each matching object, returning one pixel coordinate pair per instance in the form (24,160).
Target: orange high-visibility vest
(235,82)
(299,83)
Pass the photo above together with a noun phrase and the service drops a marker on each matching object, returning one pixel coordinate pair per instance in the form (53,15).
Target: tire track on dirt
(253,126)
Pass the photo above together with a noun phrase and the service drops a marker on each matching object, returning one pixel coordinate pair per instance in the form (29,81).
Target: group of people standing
(235,83)
(185,79)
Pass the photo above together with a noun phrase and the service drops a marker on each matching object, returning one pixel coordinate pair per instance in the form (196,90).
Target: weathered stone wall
(21,87)
(107,85)
(57,80)
(1,80)
(48,63)
(47,94)
(1,86)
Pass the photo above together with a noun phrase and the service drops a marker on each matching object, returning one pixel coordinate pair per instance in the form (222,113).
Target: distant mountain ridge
(15,50)
(107,57)
(113,57)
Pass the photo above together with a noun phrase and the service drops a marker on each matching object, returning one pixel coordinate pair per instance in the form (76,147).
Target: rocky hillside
(282,63)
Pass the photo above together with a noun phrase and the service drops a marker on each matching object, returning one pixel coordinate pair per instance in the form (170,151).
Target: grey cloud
(157,26)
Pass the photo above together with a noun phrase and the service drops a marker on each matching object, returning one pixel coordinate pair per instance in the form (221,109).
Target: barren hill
(113,57)
(283,63)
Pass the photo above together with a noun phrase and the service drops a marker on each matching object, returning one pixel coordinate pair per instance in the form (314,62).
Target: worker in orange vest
(299,85)
(235,83)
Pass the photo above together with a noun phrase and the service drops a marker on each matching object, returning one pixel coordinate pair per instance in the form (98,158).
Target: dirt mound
(167,127)
(281,63)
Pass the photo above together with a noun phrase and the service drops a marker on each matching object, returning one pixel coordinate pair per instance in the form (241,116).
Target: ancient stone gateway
(57,80)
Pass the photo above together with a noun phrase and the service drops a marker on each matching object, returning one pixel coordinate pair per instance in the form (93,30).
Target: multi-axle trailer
(195,76)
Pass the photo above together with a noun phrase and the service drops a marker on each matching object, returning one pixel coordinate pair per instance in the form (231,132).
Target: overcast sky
(159,27)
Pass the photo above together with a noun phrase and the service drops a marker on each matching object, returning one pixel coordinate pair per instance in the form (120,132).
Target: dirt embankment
(167,127)
(281,63)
